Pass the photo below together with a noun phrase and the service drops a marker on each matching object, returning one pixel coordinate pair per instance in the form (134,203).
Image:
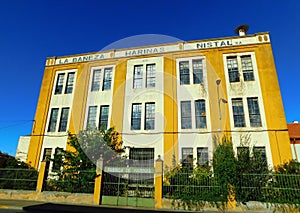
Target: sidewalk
(38,206)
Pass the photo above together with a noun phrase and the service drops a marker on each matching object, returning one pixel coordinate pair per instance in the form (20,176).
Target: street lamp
(218,81)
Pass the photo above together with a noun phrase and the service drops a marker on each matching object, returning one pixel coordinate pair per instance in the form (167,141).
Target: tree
(75,168)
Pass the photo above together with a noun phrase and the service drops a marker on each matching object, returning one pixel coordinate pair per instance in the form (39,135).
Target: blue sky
(31,31)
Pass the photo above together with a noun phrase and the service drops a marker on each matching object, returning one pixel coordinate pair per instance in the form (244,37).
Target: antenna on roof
(241,29)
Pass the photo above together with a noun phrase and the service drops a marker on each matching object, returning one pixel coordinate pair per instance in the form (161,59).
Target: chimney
(241,30)
(295,122)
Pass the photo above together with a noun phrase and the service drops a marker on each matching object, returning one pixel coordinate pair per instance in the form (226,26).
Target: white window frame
(59,117)
(191,72)
(66,74)
(240,71)
(101,87)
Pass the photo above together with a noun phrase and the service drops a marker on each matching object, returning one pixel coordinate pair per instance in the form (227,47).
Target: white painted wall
(99,98)
(258,135)
(193,137)
(22,149)
(296,151)
(145,138)
(58,139)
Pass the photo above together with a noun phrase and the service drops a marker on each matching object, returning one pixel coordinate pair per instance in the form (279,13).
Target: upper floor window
(200,114)
(149,116)
(70,83)
(59,84)
(197,71)
(107,78)
(101,79)
(96,80)
(191,71)
(238,65)
(53,120)
(233,69)
(186,115)
(254,113)
(238,112)
(136,114)
(64,85)
(138,76)
(91,120)
(150,75)
(184,72)
(63,120)
(247,68)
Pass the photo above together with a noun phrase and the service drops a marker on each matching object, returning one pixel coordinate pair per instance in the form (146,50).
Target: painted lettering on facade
(160,49)
(145,51)
(213,44)
(80,59)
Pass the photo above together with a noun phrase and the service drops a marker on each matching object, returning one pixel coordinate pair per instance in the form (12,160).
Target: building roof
(294,130)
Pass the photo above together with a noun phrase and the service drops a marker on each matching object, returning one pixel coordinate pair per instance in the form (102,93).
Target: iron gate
(130,182)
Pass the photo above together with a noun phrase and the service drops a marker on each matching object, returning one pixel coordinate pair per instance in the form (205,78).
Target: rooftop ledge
(232,41)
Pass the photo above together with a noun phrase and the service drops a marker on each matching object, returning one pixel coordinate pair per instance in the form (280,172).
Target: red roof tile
(294,130)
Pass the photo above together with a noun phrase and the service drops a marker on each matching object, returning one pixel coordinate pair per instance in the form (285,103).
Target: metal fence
(271,188)
(77,182)
(22,179)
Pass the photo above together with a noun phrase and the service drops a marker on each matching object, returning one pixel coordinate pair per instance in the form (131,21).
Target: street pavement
(28,206)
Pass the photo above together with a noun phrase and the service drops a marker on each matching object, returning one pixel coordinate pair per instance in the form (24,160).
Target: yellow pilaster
(41,176)
(170,112)
(158,183)
(275,117)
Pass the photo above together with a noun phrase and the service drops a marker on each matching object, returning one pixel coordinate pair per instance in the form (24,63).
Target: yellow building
(169,100)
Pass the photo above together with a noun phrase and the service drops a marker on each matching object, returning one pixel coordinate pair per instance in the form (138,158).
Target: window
(247,68)
(136,116)
(138,76)
(107,78)
(243,153)
(57,161)
(149,116)
(103,116)
(141,157)
(70,83)
(47,154)
(53,120)
(150,75)
(59,84)
(254,114)
(200,114)
(91,121)
(96,80)
(63,120)
(260,153)
(202,155)
(187,156)
(233,70)
(197,71)
(238,112)
(184,72)
(186,117)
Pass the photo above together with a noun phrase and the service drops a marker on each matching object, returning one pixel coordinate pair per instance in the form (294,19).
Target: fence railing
(78,182)
(22,179)
(272,188)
